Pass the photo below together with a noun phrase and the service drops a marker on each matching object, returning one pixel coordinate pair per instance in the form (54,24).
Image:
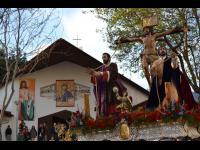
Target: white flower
(115,89)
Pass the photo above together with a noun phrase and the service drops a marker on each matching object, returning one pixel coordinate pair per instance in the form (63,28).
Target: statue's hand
(90,71)
(93,72)
(96,73)
(173,55)
(186,29)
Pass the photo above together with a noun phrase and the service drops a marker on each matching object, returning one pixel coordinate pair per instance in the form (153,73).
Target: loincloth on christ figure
(149,58)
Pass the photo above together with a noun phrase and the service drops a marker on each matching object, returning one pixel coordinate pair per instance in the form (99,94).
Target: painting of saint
(26,99)
(65,93)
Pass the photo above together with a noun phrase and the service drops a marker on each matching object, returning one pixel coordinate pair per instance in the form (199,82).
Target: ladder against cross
(77,39)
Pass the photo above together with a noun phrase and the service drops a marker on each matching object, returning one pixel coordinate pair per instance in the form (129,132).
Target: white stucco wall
(137,95)
(62,71)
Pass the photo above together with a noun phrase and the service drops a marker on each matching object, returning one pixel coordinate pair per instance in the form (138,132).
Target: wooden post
(86,105)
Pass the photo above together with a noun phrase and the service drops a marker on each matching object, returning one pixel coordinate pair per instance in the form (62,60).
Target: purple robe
(103,89)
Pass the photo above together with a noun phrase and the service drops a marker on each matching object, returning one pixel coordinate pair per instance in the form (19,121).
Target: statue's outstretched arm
(128,39)
(170,31)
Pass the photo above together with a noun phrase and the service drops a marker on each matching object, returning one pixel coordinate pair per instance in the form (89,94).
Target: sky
(75,23)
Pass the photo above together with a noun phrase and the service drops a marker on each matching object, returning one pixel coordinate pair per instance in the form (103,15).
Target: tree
(22,31)
(2,66)
(22,62)
(123,22)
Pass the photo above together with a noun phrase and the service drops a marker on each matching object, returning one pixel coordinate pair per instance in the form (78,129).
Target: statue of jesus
(149,54)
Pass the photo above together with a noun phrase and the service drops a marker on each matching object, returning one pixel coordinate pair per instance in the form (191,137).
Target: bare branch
(195,67)
(21,28)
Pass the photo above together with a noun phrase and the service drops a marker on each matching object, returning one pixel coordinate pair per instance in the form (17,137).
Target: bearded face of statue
(106,59)
(162,52)
(148,30)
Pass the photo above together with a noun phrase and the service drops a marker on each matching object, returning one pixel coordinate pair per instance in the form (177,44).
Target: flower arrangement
(77,119)
(137,118)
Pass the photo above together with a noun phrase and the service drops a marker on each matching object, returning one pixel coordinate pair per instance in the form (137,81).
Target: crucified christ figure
(149,54)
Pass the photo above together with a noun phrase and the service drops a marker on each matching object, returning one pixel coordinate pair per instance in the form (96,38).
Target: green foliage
(191,120)
(128,22)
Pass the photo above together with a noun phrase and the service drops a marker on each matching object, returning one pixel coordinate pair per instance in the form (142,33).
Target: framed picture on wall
(65,91)
(48,91)
(26,106)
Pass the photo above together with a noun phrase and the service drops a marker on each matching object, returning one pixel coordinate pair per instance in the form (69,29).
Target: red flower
(73,126)
(197,117)
(177,111)
(136,115)
(100,123)
(154,116)
(189,113)
(110,121)
(90,123)
(130,118)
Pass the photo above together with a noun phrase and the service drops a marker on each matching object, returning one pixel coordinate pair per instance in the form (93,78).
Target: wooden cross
(77,39)
(149,39)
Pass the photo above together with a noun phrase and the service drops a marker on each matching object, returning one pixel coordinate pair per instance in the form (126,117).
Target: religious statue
(125,105)
(76,119)
(169,85)
(68,135)
(61,131)
(104,79)
(149,54)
